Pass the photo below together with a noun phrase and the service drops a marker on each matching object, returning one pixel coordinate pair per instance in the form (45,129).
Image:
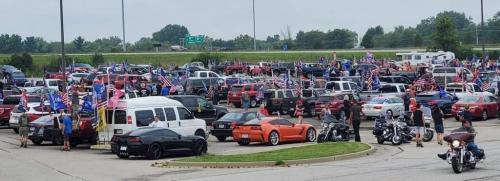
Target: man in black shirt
(355,119)
(418,120)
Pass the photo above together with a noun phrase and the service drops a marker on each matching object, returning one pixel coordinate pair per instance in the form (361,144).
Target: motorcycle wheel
(320,138)
(456,165)
(429,134)
(380,140)
(397,139)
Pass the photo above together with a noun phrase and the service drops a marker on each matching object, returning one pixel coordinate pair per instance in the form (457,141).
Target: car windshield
(256,121)
(378,101)
(469,99)
(231,117)
(18,75)
(426,97)
(236,88)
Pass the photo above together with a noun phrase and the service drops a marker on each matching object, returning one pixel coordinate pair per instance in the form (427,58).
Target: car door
(172,119)
(205,111)
(491,105)
(185,124)
(170,140)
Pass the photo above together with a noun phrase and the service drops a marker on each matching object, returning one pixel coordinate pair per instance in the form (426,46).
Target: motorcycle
(391,130)
(410,132)
(458,155)
(333,130)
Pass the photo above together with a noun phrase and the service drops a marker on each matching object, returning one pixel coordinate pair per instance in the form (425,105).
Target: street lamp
(123,27)
(63,61)
(253,13)
(482,36)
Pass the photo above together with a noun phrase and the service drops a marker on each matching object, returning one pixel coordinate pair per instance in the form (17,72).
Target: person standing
(67,130)
(347,107)
(245,100)
(437,116)
(215,96)
(355,119)
(165,91)
(418,120)
(23,130)
(159,89)
(299,109)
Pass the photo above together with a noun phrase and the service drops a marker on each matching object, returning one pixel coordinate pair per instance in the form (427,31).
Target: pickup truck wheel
(253,103)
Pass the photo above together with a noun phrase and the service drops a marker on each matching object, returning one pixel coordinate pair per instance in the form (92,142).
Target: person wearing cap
(418,120)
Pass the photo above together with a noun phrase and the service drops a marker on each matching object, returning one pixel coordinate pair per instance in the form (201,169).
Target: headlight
(324,125)
(455,144)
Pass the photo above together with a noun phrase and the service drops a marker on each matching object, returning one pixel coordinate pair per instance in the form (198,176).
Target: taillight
(129,119)
(255,128)
(233,124)
(377,107)
(134,139)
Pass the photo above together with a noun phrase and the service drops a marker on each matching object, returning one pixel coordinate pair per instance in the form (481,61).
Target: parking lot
(47,162)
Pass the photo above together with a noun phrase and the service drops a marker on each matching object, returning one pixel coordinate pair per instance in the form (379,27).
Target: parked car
(342,86)
(312,69)
(234,69)
(283,67)
(335,101)
(200,107)
(131,114)
(383,105)
(309,96)
(482,107)
(444,102)
(388,90)
(16,78)
(43,129)
(395,79)
(196,86)
(223,127)
(274,100)
(75,77)
(155,143)
(273,131)
(252,89)
(35,110)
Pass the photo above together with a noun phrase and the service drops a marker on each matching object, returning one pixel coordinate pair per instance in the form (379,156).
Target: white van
(131,114)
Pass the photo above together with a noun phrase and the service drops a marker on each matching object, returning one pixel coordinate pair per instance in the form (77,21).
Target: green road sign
(195,40)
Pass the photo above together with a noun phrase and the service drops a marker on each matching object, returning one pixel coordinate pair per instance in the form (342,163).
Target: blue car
(17,78)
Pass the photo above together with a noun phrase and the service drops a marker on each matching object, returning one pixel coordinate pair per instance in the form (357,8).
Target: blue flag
(87,104)
(56,102)
(376,83)
(442,92)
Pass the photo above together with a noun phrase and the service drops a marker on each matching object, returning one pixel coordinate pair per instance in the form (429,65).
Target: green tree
(170,33)
(79,44)
(97,59)
(11,43)
(445,34)
(111,44)
(492,27)
(23,61)
(340,39)
(243,42)
(370,34)
(310,40)
(144,44)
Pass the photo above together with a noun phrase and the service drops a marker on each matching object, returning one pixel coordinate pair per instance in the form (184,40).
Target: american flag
(485,85)
(369,79)
(166,81)
(65,99)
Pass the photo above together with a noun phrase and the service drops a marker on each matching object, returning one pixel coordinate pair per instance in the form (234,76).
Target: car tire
(221,138)
(484,115)
(200,148)
(37,141)
(123,156)
(253,102)
(200,133)
(154,152)
(58,140)
(310,135)
(244,142)
(274,138)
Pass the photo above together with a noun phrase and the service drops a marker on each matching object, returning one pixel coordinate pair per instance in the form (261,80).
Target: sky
(224,19)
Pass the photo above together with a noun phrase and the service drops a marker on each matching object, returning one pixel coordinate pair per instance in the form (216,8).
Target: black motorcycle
(458,155)
(388,129)
(410,132)
(333,129)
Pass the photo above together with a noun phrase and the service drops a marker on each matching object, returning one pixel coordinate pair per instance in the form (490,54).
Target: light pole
(482,36)
(63,61)
(123,27)
(253,13)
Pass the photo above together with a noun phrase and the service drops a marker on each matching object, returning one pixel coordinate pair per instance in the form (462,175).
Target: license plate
(123,148)
(221,126)
(244,136)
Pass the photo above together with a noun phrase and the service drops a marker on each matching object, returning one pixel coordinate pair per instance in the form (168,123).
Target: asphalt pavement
(405,162)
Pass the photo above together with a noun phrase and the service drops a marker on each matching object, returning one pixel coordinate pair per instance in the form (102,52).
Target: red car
(273,131)
(482,107)
(335,101)
(43,129)
(234,95)
(9,102)
(235,68)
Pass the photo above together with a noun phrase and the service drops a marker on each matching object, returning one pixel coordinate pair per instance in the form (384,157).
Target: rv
(430,58)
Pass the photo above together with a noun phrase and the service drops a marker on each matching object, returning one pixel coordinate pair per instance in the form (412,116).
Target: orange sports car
(272,131)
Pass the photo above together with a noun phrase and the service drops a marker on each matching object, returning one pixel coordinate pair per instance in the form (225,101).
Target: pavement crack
(59,171)
(401,150)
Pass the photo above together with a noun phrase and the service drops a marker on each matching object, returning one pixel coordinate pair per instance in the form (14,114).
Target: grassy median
(305,152)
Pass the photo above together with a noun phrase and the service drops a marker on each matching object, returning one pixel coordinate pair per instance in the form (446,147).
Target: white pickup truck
(205,74)
(386,90)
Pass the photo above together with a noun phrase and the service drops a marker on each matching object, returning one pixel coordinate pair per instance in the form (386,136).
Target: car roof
(148,102)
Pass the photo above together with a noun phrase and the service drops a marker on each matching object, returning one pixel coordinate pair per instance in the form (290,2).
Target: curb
(173,163)
(104,147)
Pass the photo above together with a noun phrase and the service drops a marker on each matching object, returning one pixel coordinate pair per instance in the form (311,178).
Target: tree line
(463,31)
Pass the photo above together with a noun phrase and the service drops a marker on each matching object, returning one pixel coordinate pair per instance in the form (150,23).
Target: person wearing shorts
(418,120)
(67,130)
(23,130)
(437,116)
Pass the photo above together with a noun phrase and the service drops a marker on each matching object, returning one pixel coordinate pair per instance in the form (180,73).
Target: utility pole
(63,61)
(482,36)
(253,13)
(123,27)
(477,38)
